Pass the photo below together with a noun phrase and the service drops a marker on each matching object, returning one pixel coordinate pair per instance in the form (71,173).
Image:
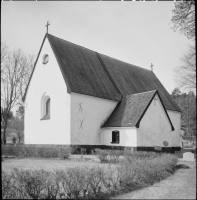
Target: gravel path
(181,185)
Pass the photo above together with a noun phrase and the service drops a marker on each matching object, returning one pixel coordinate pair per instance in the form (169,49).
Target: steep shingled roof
(131,79)
(130,111)
(91,73)
(83,70)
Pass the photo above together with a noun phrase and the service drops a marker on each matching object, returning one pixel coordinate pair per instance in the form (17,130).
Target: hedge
(26,151)
(94,182)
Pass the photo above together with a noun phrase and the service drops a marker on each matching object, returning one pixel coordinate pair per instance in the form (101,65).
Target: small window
(45,107)
(48,107)
(45,59)
(115,137)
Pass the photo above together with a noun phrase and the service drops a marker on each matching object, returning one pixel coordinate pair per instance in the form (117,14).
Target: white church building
(76,96)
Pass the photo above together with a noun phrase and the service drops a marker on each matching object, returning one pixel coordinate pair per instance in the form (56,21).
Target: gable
(47,81)
(130,111)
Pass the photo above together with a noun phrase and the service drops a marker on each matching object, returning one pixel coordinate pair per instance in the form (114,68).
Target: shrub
(52,187)
(64,153)
(94,178)
(30,184)
(74,183)
(111,179)
(189,143)
(48,152)
(115,155)
(146,171)
(7,183)
(75,149)
(129,174)
(36,151)
(139,155)
(108,156)
(30,151)
(103,155)
(12,150)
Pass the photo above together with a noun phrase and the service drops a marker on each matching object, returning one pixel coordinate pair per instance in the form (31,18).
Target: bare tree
(17,126)
(20,112)
(186,73)
(4,54)
(4,50)
(184,18)
(15,76)
(187,103)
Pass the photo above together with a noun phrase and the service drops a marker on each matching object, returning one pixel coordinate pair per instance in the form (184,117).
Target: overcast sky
(135,32)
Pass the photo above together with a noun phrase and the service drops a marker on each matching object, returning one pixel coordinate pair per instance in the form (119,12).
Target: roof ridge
(99,53)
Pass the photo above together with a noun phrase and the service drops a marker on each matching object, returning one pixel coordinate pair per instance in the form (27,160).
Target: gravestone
(188,156)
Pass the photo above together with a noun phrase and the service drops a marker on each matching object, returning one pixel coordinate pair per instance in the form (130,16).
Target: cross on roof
(47,26)
(151,66)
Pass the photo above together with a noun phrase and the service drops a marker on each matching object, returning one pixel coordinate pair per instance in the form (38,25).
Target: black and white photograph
(98,99)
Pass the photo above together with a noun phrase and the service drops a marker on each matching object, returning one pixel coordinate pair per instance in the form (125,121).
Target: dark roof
(130,111)
(91,73)
(83,70)
(131,79)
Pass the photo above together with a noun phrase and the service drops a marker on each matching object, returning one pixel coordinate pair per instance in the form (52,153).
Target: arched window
(48,107)
(45,106)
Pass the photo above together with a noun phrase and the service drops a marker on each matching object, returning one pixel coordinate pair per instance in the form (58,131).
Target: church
(76,96)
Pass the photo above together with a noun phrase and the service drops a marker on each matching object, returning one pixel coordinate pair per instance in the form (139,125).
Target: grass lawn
(51,164)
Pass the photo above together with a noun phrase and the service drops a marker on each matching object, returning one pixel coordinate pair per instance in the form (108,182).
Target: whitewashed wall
(127,136)
(154,127)
(176,121)
(92,112)
(47,79)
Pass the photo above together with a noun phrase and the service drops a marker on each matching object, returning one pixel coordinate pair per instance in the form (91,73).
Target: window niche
(45,107)
(45,59)
(115,137)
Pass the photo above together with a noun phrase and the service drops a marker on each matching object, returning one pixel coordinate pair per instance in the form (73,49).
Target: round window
(45,59)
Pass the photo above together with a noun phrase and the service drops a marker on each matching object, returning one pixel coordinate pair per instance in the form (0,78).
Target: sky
(139,33)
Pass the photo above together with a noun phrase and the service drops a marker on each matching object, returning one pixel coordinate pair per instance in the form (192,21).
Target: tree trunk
(4,133)
(19,139)
(4,136)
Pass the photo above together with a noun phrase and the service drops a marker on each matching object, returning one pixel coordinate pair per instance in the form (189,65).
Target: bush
(111,179)
(30,184)
(108,156)
(189,143)
(95,178)
(12,150)
(139,155)
(81,182)
(40,184)
(36,151)
(7,186)
(115,155)
(138,172)
(73,182)
(103,155)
